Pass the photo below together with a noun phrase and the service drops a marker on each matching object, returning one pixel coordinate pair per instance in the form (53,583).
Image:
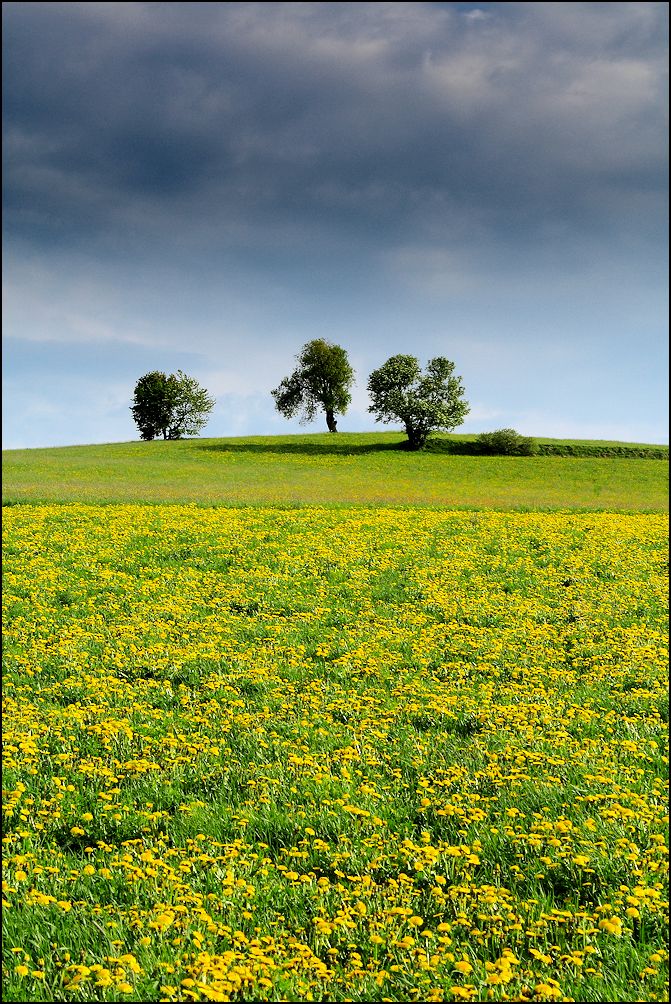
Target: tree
(191,407)
(171,406)
(152,405)
(424,402)
(322,379)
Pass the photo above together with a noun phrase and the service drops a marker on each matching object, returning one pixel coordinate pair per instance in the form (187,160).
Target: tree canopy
(321,381)
(424,402)
(170,406)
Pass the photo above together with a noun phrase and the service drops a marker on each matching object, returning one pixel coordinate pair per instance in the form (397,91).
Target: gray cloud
(373,122)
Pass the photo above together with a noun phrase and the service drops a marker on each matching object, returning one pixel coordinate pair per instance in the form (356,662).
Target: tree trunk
(415,440)
(330,421)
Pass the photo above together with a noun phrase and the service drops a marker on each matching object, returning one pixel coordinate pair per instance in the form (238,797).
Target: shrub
(506,442)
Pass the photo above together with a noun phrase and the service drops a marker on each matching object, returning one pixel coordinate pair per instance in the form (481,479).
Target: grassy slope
(352,468)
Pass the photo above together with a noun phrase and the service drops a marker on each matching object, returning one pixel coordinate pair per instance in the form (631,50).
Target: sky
(208,186)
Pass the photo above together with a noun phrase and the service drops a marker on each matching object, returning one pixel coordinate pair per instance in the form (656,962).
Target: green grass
(332,754)
(315,735)
(347,469)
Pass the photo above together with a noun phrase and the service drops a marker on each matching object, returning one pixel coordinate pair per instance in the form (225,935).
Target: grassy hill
(350,468)
(242,740)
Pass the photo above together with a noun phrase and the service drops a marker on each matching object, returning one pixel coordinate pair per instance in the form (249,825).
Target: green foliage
(505,442)
(321,380)
(152,405)
(465,445)
(425,403)
(586,449)
(191,407)
(170,406)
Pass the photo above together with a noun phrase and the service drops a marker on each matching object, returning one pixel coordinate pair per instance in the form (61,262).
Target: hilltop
(345,469)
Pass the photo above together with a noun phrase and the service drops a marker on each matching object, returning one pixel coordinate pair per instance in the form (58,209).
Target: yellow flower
(547,990)
(466,993)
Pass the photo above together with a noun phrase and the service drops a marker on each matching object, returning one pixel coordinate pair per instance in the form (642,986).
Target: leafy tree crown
(170,406)
(321,381)
(424,402)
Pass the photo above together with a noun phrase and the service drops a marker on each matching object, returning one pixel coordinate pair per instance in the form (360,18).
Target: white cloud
(479,414)
(476,15)
(53,301)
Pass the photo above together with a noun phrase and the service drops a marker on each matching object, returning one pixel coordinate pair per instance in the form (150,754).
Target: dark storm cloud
(246,124)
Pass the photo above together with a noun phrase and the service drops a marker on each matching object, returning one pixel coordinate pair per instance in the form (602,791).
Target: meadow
(335,753)
(347,469)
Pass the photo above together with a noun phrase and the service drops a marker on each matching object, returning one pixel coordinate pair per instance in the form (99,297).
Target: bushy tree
(170,406)
(152,405)
(505,442)
(423,402)
(191,407)
(321,380)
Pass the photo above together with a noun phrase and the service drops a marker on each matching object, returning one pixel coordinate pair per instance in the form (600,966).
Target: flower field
(334,754)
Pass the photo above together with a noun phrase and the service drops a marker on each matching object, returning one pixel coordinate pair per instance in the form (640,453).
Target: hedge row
(584,450)
(561,450)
